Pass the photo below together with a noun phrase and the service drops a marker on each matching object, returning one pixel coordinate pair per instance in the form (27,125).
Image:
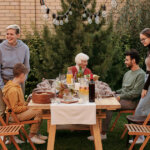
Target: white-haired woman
(81,61)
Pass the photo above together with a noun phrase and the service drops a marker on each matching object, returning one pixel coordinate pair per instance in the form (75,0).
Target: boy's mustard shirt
(13,93)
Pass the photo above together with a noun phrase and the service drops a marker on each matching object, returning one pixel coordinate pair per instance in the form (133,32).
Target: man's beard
(130,66)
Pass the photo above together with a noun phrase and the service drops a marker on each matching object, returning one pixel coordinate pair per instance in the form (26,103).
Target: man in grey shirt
(12,51)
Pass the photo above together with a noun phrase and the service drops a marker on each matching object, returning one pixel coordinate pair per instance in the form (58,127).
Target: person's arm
(119,91)
(14,102)
(147,83)
(26,60)
(136,91)
(1,80)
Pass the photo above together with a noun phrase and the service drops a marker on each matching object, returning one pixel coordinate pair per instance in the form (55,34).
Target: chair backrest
(10,112)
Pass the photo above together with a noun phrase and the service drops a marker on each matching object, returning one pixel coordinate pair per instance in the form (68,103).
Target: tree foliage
(53,52)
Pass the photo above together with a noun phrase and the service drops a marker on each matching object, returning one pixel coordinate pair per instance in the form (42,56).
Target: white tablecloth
(62,114)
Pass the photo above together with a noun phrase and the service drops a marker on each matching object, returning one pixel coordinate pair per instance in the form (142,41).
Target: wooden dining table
(102,105)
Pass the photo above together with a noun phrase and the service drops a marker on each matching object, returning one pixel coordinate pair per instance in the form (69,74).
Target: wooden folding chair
(10,131)
(138,130)
(132,119)
(118,116)
(9,112)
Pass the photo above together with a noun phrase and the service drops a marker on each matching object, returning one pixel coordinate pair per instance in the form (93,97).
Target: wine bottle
(80,72)
(91,89)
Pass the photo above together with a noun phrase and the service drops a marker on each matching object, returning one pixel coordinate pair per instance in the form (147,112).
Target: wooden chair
(138,130)
(10,131)
(118,116)
(135,120)
(17,122)
(12,113)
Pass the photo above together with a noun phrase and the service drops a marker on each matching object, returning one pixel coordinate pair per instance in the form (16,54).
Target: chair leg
(127,141)
(21,136)
(145,142)
(124,133)
(115,122)
(91,130)
(31,143)
(48,125)
(3,145)
(100,125)
(14,142)
(134,141)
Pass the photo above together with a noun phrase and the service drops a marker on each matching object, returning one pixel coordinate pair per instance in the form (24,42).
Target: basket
(42,97)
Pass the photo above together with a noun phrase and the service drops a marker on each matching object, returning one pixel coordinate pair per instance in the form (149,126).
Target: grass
(77,140)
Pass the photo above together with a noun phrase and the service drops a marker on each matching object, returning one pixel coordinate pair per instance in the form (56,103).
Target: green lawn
(77,140)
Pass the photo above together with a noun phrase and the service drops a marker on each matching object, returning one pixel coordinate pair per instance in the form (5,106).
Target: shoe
(2,138)
(42,137)
(6,142)
(103,137)
(35,139)
(140,140)
(18,140)
(90,138)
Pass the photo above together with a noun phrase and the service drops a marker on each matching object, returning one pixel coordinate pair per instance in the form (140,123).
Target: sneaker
(18,140)
(42,137)
(6,142)
(2,138)
(103,137)
(35,139)
(140,140)
(90,138)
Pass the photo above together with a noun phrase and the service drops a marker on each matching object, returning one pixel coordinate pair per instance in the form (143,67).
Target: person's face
(129,62)
(144,40)
(11,36)
(84,63)
(22,78)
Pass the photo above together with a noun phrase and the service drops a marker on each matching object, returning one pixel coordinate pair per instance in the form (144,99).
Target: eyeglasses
(143,40)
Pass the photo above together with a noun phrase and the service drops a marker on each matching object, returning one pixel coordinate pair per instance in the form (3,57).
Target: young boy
(13,93)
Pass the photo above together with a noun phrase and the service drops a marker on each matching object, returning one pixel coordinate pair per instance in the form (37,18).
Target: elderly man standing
(12,51)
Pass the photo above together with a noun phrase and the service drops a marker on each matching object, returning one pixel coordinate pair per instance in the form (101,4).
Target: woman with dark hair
(143,108)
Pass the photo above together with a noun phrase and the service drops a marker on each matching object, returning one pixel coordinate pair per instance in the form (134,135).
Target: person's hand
(144,93)
(118,98)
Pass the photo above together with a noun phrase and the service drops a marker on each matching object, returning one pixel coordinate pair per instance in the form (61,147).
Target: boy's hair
(134,54)
(19,69)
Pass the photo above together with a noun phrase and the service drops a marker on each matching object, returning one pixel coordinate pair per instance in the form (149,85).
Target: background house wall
(26,13)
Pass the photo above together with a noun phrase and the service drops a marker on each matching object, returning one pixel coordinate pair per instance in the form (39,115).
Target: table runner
(62,114)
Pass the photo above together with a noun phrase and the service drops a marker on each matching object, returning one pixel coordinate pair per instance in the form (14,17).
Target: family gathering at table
(70,97)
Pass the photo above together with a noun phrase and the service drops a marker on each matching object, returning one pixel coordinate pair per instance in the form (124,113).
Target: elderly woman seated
(81,61)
